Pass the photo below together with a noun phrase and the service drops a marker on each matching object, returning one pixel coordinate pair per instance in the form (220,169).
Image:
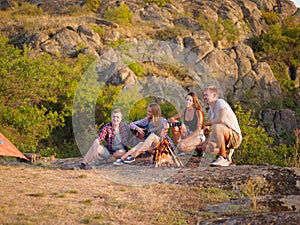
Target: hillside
(64,64)
(174,46)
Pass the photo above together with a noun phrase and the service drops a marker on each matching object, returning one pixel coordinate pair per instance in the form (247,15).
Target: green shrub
(135,67)
(255,145)
(222,29)
(93,5)
(270,17)
(280,47)
(160,3)
(105,102)
(119,14)
(117,43)
(36,97)
(258,148)
(98,30)
(27,9)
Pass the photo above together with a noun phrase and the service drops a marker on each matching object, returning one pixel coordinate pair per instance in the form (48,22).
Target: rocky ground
(282,197)
(275,190)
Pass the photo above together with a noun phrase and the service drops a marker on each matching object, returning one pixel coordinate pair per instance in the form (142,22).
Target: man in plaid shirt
(115,134)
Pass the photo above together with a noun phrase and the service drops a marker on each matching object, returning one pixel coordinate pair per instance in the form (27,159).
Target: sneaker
(129,159)
(81,166)
(229,155)
(118,162)
(220,161)
(181,154)
(198,153)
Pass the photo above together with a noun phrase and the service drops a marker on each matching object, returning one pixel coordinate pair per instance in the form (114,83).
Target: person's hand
(206,131)
(171,120)
(163,132)
(140,130)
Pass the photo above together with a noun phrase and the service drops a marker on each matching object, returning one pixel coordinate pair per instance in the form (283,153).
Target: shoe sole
(118,163)
(213,165)
(128,162)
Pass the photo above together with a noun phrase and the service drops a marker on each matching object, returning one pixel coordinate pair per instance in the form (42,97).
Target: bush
(26,8)
(255,145)
(222,29)
(119,14)
(98,30)
(36,96)
(93,5)
(160,3)
(270,17)
(258,148)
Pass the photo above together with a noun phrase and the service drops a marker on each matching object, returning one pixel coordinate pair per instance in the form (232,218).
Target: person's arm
(102,134)
(175,117)
(135,125)
(200,120)
(218,120)
(164,127)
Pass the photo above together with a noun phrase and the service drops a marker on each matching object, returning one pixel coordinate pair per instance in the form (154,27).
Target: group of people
(219,135)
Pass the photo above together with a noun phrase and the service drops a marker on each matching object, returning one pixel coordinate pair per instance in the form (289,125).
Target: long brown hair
(197,104)
(156,114)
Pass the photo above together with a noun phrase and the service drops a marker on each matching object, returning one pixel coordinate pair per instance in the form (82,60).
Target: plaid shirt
(143,122)
(107,134)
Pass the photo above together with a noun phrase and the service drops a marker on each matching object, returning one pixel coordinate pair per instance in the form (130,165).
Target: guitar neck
(175,124)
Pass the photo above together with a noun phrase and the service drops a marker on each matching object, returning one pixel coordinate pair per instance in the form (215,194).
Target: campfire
(164,155)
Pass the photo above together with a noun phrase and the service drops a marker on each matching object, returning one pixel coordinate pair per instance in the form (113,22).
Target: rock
(268,84)
(279,122)
(252,15)
(123,76)
(51,46)
(5,4)
(221,66)
(89,37)
(158,17)
(187,22)
(111,36)
(199,43)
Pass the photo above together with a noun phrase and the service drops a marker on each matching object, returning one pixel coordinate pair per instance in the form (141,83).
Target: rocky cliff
(162,40)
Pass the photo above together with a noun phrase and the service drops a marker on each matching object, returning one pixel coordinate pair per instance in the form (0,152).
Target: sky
(297,3)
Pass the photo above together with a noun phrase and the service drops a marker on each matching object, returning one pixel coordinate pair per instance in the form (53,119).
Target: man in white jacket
(225,133)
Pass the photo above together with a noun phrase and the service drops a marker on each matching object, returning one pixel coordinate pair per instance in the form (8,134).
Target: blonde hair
(156,114)
(213,89)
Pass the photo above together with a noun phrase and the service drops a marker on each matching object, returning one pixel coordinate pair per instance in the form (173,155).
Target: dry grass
(33,195)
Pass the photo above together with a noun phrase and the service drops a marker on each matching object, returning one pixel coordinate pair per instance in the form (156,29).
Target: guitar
(148,130)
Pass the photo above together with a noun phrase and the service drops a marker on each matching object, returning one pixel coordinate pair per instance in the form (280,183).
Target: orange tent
(8,149)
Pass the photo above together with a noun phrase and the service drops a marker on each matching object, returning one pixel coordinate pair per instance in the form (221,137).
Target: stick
(177,160)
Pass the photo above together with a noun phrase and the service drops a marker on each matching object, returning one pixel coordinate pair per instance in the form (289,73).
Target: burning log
(164,155)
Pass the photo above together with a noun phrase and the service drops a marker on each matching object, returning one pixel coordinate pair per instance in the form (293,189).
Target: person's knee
(96,142)
(181,146)
(119,153)
(211,148)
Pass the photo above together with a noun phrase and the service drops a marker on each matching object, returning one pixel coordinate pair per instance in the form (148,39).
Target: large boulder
(223,69)
(279,122)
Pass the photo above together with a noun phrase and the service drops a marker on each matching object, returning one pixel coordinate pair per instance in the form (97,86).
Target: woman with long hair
(190,134)
(153,127)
